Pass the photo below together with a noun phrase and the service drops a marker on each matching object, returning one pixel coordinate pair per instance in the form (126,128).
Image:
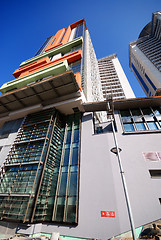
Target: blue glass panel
(136,112)
(75,156)
(63,184)
(126,119)
(79,31)
(152,125)
(65,169)
(125,113)
(76,68)
(137,118)
(129,127)
(140,126)
(140,78)
(151,83)
(66,156)
(76,135)
(60,209)
(71,209)
(11,126)
(74,168)
(147,111)
(68,139)
(73,184)
(43,46)
(157,111)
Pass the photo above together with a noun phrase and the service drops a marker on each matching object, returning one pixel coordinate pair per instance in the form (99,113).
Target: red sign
(107,214)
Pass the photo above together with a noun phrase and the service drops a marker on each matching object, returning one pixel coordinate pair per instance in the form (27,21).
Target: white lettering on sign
(107,214)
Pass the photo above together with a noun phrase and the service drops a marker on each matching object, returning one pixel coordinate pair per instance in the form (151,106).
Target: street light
(116,150)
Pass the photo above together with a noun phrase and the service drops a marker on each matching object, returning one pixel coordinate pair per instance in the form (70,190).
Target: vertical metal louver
(33,176)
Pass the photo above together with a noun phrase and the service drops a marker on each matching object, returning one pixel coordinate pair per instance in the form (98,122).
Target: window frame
(156,119)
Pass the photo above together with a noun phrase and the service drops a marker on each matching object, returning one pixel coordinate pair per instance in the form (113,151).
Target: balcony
(45,62)
(55,69)
(62,91)
(65,48)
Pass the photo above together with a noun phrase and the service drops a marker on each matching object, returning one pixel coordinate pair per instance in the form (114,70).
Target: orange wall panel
(71,57)
(67,35)
(56,40)
(73,25)
(78,79)
(20,71)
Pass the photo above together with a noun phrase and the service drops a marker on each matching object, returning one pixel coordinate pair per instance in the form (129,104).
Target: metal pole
(124,182)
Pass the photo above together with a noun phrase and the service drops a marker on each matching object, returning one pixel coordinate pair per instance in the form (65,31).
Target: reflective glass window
(125,113)
(75,156)
(147,111)
(129,127)
(71,209)
(69,133)
(157,111)
(143,119)
(152,126)
(127,119)
(66,156)
(136,112)
(60,209)
(140,126)
(76,135)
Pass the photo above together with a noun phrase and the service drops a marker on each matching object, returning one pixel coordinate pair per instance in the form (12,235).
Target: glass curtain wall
(39,179)
(66,202)
(21,171)
(58,197)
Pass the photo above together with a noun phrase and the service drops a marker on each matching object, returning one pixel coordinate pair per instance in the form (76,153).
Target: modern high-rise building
(113,79)
(63,169)
(41,170)
(145,58)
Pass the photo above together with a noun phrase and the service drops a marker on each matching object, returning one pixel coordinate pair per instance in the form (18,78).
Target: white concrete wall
(72,34)
(123,79)
(101,186)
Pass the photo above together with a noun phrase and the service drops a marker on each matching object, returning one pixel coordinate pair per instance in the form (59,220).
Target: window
(10,127)
(155,173)
(79,31)
(141,119)
(43,46)
(76,66)
(129,127)
(99,130)
(66,201)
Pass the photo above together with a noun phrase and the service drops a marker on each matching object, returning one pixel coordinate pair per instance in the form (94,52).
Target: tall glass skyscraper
(145,58)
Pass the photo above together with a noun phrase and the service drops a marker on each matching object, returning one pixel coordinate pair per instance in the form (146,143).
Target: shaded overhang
(48,91)
(123,104)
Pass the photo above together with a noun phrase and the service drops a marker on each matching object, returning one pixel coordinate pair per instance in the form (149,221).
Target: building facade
(58,171)
(144,56)
(45,134)
(113,79)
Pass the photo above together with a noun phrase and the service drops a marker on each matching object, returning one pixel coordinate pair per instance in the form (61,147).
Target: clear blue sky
(112,24)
